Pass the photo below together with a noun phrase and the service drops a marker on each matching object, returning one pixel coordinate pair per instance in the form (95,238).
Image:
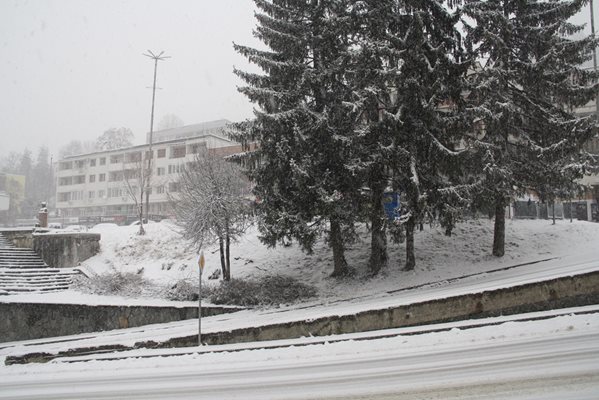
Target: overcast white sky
(71,69)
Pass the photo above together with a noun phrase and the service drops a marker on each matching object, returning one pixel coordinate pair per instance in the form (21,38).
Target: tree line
(458,106)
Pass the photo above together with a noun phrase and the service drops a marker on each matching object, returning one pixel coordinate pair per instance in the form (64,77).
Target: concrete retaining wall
(547,295)
(19,237)
(552,294)
(66,250)
(58,250)
(23,321)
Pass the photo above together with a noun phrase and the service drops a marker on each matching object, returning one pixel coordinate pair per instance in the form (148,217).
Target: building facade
(98,187)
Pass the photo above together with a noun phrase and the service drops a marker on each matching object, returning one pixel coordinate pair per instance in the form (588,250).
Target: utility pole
(146,178)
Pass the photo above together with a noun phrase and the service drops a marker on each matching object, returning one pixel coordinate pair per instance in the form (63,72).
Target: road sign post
(201,262)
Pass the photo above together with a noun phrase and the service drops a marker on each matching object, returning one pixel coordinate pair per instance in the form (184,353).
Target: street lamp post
(146,181)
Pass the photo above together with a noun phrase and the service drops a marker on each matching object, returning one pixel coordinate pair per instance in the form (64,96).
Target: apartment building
(92,187)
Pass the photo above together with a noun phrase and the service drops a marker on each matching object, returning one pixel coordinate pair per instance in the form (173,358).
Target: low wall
(556,293)
(58,250)
(19,237)
(23,321)
(66,250)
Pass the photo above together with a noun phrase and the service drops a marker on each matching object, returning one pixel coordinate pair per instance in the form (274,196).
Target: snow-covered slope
(164,257)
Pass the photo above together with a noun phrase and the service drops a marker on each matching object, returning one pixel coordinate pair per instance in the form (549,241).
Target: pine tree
(531,78)
(413,71)
(303,166)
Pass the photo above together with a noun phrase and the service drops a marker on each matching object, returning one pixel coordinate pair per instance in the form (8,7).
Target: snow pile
(164,257)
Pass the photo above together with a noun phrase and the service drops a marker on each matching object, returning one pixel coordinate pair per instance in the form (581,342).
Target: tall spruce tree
(413,70)
(531,78)
(303,166)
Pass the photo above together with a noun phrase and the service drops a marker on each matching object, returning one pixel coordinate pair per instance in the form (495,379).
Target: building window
(161,153)
(173,169)
(134,157)
(160,189)
(102,177)
(102,160)
(115,176)
(149,154)
(178,151)
(91,194)
(63,165)
(115,192)
(78,195)
(92,178)
(92,162)
(116,158)
(160,171)
(65,196)
(80,164)
(195,148)
(64,181)
(79,179)
(101,194)
(173,187)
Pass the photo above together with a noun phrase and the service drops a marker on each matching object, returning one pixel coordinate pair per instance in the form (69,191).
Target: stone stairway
(23,271)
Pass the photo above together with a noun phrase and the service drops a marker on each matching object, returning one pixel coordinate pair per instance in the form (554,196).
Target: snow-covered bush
(183,290)
(268,290)
(115,282)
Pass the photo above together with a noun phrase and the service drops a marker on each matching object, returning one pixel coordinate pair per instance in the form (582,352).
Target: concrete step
(24,262)
(38,271)
(36,274)
(18,290)
(36,279)
(20,279)
(40,285)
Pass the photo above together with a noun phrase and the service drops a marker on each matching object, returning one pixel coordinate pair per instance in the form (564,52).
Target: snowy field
(163,257)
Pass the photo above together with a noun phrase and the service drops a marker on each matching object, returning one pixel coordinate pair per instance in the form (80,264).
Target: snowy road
(556,358)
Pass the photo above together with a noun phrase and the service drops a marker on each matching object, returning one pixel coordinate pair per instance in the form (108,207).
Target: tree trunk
(228,256)
(553,207)
(336,241)
(378,242)
(141,231)
(410,257)
(223,266)
(499,230)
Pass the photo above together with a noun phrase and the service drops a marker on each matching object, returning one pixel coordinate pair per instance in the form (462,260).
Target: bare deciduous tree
(137,175)
(208,200)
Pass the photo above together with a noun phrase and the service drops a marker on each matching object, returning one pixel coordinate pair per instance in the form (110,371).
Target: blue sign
(391,204)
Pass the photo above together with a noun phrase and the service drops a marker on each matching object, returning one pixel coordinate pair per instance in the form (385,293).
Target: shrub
(269,290)
(183,290)
(121,283)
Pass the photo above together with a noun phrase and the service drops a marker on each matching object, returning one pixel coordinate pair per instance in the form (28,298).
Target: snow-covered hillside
(164,257)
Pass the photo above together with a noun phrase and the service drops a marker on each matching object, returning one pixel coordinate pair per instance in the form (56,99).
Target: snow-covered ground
(553,358)
(163,257)
(548,359)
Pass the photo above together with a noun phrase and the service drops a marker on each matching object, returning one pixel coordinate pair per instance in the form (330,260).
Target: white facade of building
(93,187)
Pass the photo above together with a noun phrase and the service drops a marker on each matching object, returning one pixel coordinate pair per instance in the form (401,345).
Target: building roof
(216,126)
(184,133)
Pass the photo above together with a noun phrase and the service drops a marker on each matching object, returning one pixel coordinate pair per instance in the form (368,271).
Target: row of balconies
(175,151)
